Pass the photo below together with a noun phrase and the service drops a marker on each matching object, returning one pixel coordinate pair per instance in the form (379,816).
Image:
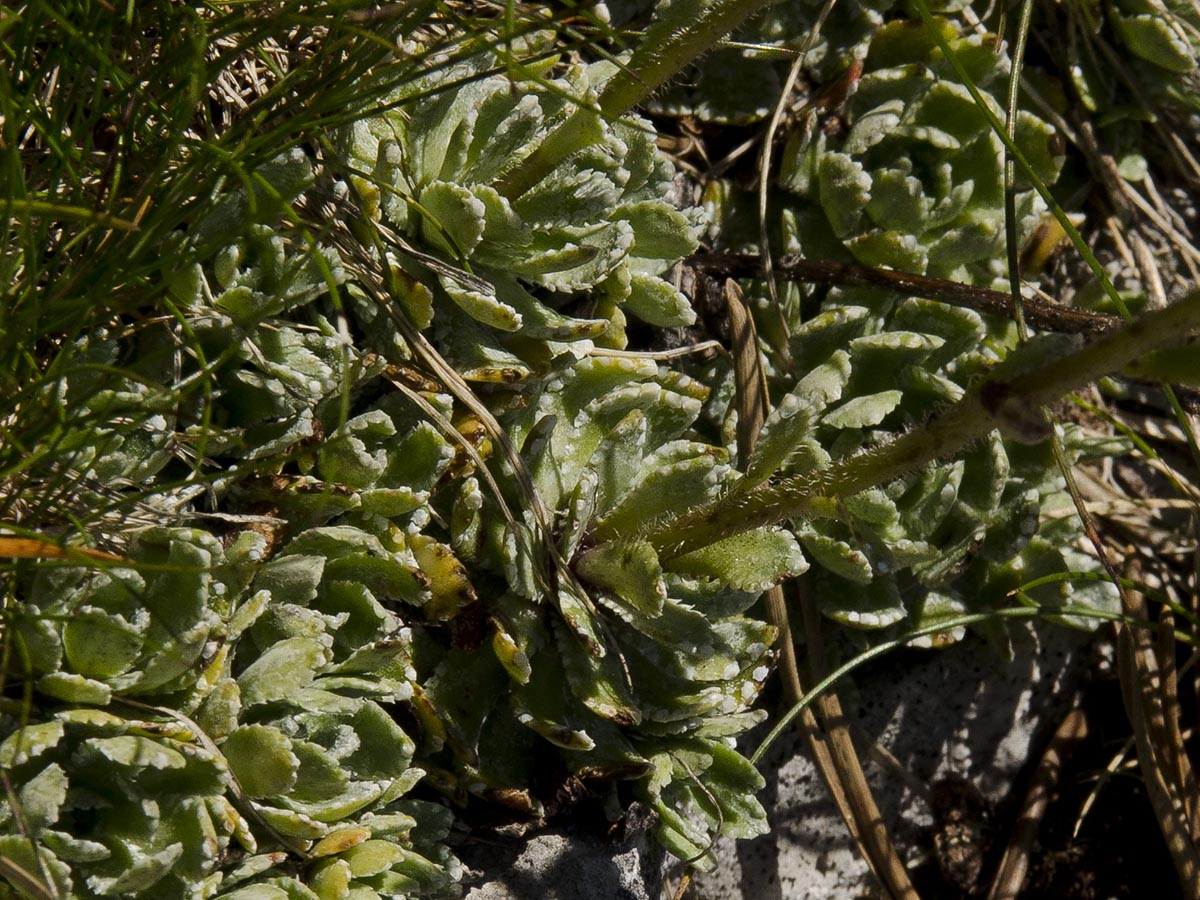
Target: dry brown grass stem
(825,729)
(1150,688)
(1010,875)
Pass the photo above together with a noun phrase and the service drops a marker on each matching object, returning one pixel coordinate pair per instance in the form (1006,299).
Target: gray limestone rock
(956,712)
(564,865)
(961,711)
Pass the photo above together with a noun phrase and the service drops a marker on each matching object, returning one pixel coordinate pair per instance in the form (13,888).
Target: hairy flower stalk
(1013,404)
(682,31)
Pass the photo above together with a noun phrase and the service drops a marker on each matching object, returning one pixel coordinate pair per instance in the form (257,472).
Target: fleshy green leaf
(74,688)
(863,411)
(136,752)
(282,670)
(42,797)
(751,561)
(632,571)
(837,557)
(99,644)
(262,760)
(793,418)
(654,301)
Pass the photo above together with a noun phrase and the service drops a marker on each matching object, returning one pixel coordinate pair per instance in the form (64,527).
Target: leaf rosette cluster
(362,564)
(909,176)
(628,665)
(436,168)
(241,727)
(404,591)
(916,180)
(228,730)
(951,537)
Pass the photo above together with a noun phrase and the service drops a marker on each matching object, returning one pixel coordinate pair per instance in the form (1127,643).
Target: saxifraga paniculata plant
(214,719)
(597,226)
(911,180)
(217,721)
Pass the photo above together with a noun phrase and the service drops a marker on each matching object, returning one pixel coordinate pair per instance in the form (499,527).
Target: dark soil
(1118,853)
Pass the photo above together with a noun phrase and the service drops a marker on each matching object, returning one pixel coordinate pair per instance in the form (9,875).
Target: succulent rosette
(951,537)
(630,666)
(598,224)
(916,180)
(225,725)
(117,805)
(908,176)
(351,590)
(218,712)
